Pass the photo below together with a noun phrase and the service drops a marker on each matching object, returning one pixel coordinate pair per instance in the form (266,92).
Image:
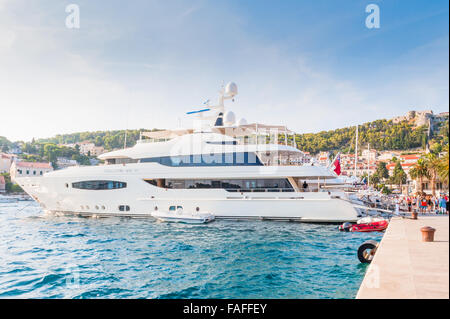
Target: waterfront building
(410,158)
(324,158)
(29,169)
(387,156)
(5,162)
(2,184)
(89,148)
(369,155)
(86,147)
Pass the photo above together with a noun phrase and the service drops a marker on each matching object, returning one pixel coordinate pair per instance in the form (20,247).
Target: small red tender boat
(366,225)
(369,227)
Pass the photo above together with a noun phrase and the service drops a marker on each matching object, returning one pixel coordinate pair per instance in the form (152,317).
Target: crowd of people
(438,204)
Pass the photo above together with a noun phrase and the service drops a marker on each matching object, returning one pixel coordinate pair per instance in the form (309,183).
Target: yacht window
(110,161)
(172,208)
(151,181)
(124,208)
(222,143)
(99,185)
(219,159)
(253,185)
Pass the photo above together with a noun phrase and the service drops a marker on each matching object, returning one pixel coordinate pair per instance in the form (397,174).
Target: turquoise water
(70,257)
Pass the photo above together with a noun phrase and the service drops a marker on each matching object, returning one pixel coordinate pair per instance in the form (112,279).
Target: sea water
(48,256)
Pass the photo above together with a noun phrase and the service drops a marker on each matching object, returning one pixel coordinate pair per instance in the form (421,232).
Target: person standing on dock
(442,205)
(397,206)
(423,205)
(429,204)
(447,204)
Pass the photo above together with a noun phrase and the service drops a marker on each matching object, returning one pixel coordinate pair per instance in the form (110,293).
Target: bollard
(414,215)
(427,233)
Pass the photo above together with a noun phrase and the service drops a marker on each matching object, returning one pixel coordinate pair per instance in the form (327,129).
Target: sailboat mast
(356,149)
(368,164)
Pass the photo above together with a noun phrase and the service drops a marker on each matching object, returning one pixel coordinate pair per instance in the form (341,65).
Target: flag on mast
(337,165)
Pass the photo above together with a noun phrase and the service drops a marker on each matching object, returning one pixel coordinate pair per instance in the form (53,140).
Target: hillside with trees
(381,134)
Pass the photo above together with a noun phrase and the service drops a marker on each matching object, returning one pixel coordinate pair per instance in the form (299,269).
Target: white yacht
(226,167)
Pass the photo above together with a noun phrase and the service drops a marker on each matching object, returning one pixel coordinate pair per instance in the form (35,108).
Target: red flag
(337,165)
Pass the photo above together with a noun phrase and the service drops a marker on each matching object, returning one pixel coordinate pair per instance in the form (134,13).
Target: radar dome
(231,89)
(229,118)
(242,121)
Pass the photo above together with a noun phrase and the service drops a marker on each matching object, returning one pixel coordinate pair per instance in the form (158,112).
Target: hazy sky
(311,65)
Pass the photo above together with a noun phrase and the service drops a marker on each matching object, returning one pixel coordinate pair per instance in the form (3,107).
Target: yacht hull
(56,195)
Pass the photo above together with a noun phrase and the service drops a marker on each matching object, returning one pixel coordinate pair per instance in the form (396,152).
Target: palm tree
(433,164)
(419,171)
(443,166)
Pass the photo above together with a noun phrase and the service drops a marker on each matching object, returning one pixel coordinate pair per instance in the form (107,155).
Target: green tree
(398,175)
(374,179)
(433,163)
(420,171)
(443,167)
(382,171)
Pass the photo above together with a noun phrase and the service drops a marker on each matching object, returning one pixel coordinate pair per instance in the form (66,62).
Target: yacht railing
(259,190)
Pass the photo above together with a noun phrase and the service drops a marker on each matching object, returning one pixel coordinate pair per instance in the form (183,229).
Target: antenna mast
(368,164)
(356,149)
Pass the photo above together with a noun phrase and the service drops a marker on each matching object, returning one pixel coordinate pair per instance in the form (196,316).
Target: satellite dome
(229,118)
(231,89)
(242,121)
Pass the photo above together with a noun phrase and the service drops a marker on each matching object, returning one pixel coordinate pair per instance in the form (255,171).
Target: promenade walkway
(406,267)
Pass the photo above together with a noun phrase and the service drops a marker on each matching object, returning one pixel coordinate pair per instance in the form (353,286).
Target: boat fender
(366,251)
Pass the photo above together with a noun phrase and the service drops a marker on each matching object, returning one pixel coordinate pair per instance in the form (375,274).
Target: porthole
(103,207)
(197,209)
(96,207)
(67,185)
(156,207)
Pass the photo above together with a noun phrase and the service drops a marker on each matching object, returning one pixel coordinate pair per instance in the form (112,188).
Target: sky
(310,65)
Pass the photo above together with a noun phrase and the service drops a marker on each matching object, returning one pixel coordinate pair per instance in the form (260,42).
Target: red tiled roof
(408,164)
(33,165)
(7,155)
(414,156)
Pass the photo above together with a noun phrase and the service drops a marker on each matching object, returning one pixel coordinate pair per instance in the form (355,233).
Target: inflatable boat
(367,224)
